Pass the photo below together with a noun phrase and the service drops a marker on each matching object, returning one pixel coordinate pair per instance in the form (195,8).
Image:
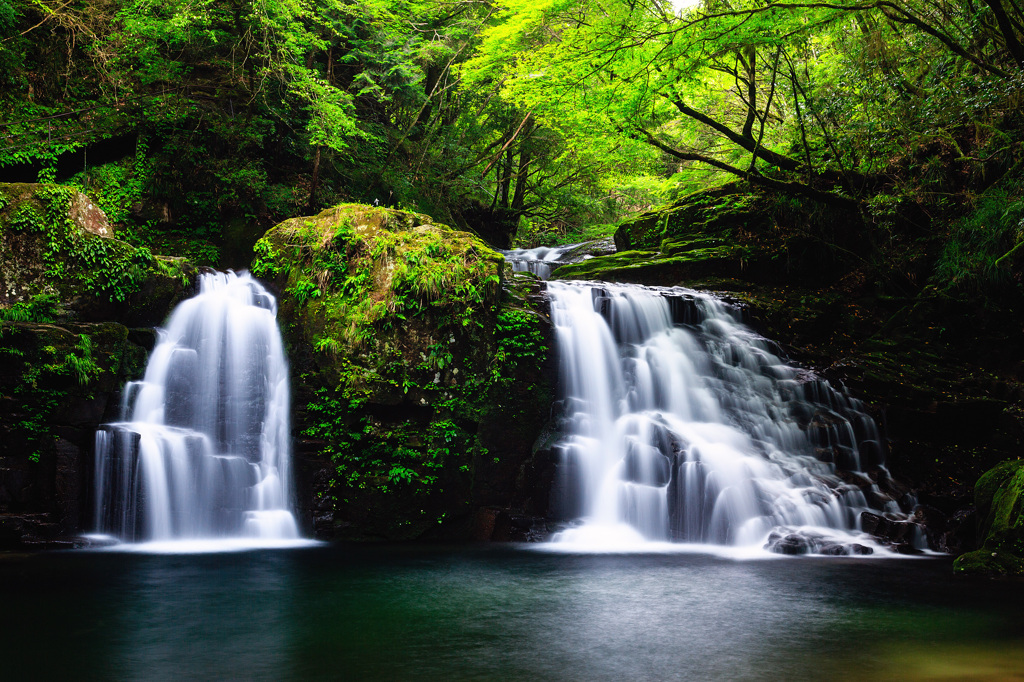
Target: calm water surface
(499,613)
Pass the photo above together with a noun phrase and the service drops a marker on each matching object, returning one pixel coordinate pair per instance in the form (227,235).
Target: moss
(985,562)
(47,370)
(992,481)
(705,213)
(406,346)
(999,497)
(653,267)
(352,267)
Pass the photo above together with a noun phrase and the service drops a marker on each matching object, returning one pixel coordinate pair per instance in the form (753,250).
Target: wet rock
(790,543)
(845,549)
(886,529)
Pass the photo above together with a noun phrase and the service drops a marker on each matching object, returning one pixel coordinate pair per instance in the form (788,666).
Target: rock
(999,499)
(425,382)
(847,549)
(886,529)
(790,543)
(59,382)
(984,562)
(89,217)
(55,242)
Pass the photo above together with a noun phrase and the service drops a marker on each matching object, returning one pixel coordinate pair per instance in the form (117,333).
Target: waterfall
(203,448)
(683,425)
(541,260)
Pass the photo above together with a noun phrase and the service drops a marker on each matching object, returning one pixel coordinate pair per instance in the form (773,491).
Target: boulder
(424,382)
(56,243)
(999,500)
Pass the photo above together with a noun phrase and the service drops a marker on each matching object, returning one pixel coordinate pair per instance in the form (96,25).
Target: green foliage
(520,341)
(39,308)
(981,251)
(44,378)
(303,291)
(264,262)
(76,261)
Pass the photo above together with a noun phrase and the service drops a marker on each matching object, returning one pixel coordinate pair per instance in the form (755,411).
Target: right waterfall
(681,424)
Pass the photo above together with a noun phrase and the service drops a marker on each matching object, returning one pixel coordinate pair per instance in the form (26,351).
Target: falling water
(681,424)
(202,450)
(541,260)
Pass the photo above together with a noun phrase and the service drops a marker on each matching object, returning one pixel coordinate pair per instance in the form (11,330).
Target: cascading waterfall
(681,424)
(203,449)
(541,261)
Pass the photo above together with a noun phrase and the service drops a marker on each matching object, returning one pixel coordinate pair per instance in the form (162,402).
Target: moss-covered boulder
(999,499)
(708,214)
(420,386)
(54,242)
(735,230)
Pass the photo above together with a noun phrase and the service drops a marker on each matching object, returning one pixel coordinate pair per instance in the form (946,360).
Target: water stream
(202,451)
(683,425)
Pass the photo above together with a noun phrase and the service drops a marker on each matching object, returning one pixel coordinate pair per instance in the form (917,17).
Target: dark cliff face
(58,384)
(421,383)
(76,311)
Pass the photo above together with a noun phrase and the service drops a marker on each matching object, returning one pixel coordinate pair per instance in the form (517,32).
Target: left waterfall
(203,448)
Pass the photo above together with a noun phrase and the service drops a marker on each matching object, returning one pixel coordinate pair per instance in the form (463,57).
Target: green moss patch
(987,562)
(43,250)
(406,347)
(999,499)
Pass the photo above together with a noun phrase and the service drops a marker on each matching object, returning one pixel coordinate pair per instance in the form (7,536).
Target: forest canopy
(526,121)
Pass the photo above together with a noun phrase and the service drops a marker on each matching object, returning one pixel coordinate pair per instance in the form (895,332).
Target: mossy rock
(55,242)
(421,376)
(743,231)
(708,213)
(999,499)
(984,562)
(657,267)
(57,384)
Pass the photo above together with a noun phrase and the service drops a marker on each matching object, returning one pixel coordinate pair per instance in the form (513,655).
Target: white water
(203,450)
(682,425)
(541,260)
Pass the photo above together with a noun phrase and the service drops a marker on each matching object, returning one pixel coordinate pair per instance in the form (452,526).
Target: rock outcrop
(420,384)
(999,500)
(76,311)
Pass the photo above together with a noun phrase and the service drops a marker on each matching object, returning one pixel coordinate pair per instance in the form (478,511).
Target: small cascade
(203,447)
(541,261)
(683,425)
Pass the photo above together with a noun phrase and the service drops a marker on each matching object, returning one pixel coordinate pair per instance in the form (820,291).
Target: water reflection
(498,613)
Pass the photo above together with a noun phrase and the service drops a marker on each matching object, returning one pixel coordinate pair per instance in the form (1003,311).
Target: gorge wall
(77,308)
